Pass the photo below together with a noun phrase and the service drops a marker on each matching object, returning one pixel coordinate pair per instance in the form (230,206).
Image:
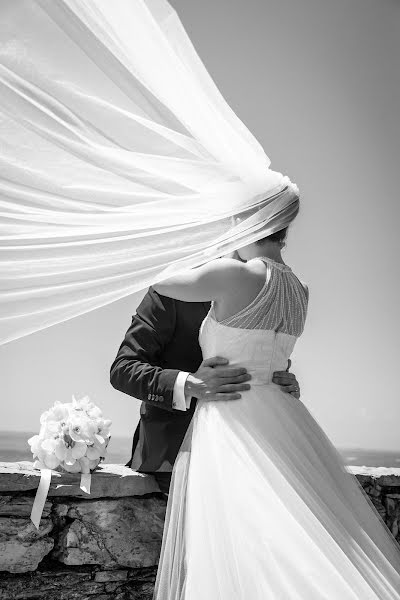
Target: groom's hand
(216,380)
(287,381)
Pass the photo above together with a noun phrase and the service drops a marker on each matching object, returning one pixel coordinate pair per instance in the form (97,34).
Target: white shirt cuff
(179,400)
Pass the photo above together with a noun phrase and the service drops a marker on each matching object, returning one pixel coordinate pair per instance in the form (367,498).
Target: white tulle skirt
(262,507)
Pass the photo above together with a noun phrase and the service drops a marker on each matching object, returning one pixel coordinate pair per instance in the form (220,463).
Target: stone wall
(106,546)
(103,546)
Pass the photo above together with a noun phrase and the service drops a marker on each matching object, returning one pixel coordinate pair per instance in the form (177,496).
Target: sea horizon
(14,447)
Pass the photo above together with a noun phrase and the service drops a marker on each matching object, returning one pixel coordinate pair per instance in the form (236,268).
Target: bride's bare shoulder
(232,268)
(236,276)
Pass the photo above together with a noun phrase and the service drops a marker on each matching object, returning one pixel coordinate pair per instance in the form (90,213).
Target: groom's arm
(136,369)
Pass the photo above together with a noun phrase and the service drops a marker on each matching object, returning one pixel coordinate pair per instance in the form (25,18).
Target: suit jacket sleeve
(137,369)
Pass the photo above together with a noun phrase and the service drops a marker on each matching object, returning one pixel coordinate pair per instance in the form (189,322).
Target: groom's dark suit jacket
(161,341)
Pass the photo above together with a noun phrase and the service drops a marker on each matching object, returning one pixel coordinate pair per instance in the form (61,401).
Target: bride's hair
(280,235)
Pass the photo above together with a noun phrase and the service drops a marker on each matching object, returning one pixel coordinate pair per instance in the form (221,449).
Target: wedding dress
(261,505)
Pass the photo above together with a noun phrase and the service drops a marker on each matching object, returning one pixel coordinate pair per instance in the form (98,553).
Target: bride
(261,506)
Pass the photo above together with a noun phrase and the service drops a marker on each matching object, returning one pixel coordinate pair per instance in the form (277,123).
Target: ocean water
(14,447)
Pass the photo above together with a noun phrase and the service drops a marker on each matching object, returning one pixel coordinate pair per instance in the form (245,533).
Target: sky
(317,82)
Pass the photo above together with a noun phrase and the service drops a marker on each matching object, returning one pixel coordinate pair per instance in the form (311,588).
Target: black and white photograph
(199,300)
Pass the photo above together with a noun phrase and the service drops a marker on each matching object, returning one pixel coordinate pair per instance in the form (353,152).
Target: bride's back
(260,336)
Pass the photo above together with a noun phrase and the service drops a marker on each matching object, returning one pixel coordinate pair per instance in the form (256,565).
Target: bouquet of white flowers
(72,435)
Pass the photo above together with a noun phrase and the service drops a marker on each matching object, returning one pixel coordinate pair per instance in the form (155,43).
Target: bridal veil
(120,161)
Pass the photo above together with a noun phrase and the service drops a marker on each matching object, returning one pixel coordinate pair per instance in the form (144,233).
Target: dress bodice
(261,336)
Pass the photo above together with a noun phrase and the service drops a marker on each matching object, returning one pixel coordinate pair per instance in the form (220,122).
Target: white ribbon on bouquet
(43,490)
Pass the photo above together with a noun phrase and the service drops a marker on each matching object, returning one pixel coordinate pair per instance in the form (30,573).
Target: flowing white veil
(119,158)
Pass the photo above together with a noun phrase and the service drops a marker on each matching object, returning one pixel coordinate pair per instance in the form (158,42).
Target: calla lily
(58,412)
(81,428)
(69,459)
(95,413)
(79,450)
(93,463)
(99,441)
(34,443)
(74,468)
(93,453)
(61,449)
(41,454)
(103,427)
(50,429)
(82,404)
(49,445)
(44,416)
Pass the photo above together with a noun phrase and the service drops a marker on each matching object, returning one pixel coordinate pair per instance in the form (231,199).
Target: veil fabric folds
(120,161)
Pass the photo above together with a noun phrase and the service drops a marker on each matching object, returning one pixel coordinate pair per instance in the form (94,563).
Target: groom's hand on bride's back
(287,381)
(216,380)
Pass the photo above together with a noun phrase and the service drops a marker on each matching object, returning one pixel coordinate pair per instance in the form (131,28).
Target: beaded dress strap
(281,304)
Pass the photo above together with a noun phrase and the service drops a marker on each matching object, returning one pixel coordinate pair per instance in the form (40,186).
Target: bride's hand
(215,380)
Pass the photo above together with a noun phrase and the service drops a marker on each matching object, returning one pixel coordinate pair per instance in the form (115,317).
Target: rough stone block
(20,506)
(126,532)
(111,575)
(22,546)
(392,505)
(51,585)
(113,586)
(140,592)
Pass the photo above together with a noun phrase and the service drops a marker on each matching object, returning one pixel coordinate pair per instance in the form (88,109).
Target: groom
(160,363)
